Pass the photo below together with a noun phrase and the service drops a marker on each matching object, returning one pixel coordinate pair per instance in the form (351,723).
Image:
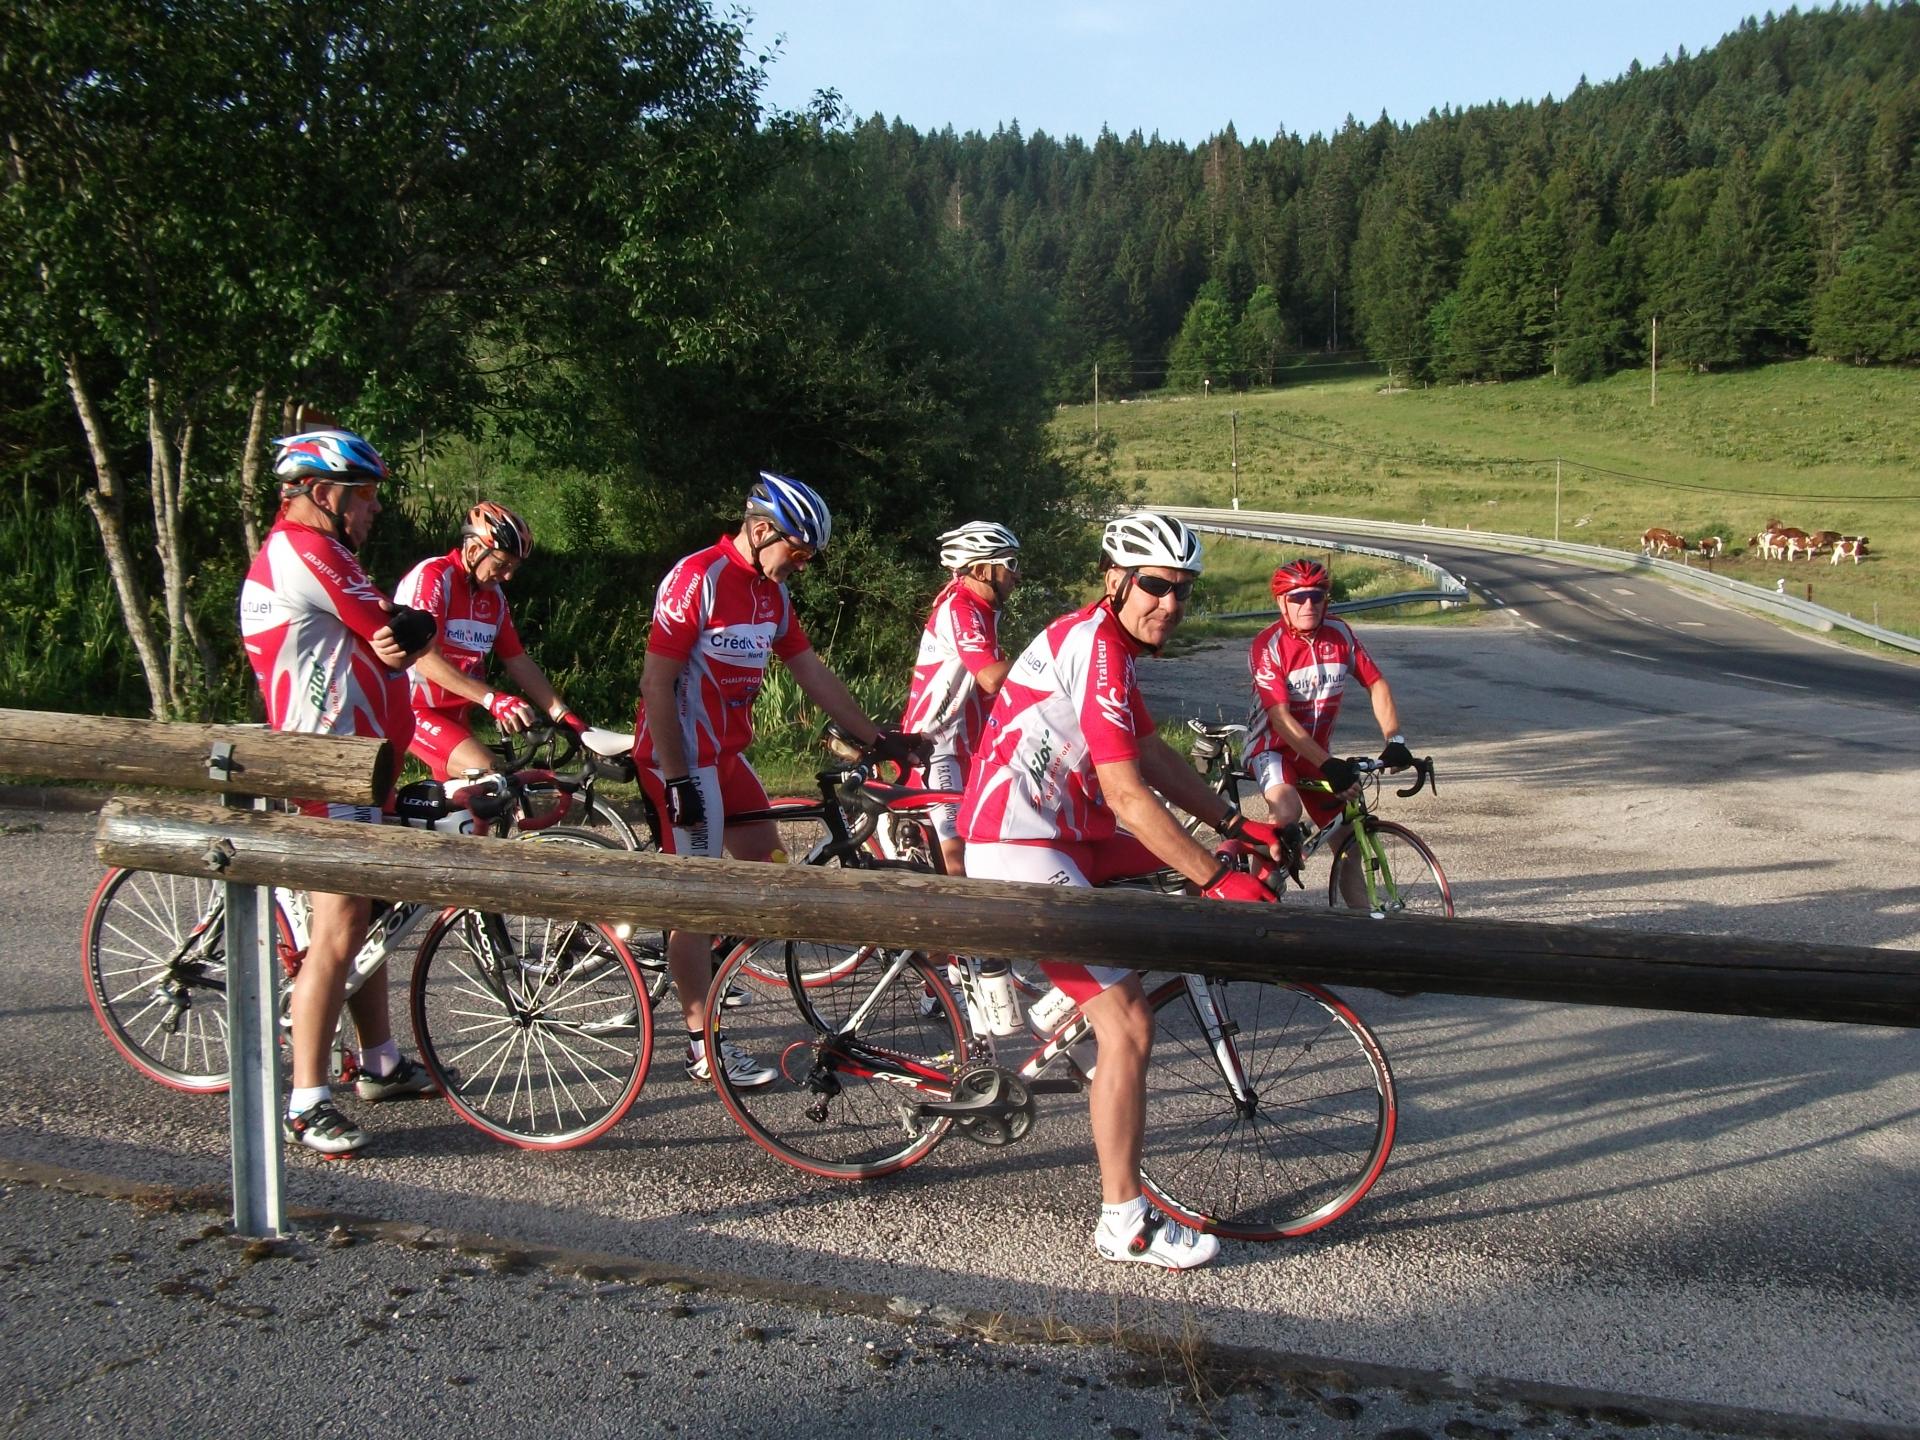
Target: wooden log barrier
(257,761)
(1508,959)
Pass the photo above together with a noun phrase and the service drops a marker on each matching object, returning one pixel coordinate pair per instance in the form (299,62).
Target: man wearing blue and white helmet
(721,615)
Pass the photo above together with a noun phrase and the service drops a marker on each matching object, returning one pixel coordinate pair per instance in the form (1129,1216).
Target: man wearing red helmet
(463,591)
(1301,664)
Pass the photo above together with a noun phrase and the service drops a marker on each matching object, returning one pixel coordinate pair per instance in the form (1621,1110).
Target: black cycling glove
(1396,756)
(900,747)
(413,630)
(1339,773)
(686,807)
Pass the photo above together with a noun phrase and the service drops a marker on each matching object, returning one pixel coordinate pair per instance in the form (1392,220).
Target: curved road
(1638,618)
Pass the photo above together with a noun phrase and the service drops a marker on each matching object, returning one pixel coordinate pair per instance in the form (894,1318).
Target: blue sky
(1186,70)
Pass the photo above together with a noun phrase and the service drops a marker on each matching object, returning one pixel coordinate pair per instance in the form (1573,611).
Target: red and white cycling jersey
(307,616)
(474,623)
(959,641)
(1307,675)
(725,619)
(1070,703)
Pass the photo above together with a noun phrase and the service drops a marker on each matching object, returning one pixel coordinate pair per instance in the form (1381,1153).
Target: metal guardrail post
(259,1168)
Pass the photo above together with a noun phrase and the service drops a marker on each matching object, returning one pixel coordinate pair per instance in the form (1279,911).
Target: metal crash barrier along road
(1505,959)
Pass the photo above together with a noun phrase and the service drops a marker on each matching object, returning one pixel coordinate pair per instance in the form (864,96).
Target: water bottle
(1050,1011)
(1000,1005)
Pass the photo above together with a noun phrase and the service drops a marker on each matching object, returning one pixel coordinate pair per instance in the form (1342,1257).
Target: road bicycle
(1376,865)
(538,1031)
(1270,1105)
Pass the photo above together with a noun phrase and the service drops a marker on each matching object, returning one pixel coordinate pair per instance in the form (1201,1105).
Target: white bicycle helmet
(1144,538)
(978,542)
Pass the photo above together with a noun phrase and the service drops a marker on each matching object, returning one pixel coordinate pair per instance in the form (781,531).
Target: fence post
(253,1042)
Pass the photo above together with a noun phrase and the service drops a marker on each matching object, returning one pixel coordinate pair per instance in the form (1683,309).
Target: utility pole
(1653,366)
(1096,399)
(1234,417)
(1556,498)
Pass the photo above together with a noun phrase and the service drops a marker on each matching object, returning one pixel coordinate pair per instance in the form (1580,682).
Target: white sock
(305,1098)
(1125,1215)
(381,1059)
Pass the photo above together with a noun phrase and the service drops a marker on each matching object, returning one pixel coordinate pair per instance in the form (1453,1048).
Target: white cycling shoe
(743,1071)
(1153,1239)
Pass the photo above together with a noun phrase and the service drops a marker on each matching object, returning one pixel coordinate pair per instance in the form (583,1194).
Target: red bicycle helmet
(498,528)
(1300,575)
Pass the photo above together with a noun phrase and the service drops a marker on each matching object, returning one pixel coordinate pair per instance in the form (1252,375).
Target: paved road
(1669,628)
(1715,1210)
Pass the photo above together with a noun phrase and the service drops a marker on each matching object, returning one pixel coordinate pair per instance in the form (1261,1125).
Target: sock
(697,1042)
(304,1099)
(1125,1215)
(381,1059)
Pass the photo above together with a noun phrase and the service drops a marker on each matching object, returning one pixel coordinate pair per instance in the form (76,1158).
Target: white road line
(1765,680)
(1693,624)
(1632,655)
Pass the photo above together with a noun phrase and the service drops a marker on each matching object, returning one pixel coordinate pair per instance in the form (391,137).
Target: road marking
(1622,590)
(1632,655)
(1693,624)
(1765,680)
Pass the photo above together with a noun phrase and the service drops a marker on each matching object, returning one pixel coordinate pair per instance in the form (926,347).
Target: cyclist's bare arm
(1166,770)
(823,687)
(435,667)
(659,680)
(991,677)
(1128,795)
(1295,735)
(531,681)
(1385,712)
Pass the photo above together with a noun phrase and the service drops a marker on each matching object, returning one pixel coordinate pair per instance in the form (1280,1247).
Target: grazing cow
(1783,542)
(1825,539)
(1710,547)
(1659,542)
(1849,547)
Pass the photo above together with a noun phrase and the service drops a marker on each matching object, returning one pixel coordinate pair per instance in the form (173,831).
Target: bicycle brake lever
(1423,776)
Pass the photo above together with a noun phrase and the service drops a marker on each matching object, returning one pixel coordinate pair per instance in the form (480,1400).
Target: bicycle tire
(596,815)
(648,943)
(154,954)
(545,1046)
(842,1106)
(1304,1148)
(1417,884)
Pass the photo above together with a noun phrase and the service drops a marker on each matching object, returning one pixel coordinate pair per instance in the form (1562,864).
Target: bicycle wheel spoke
(539,1030)
(1306,1140)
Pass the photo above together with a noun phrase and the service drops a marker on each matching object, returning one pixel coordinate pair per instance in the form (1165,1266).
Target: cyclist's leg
(444,743)
(1270,1107)
(856,1061)
(947,772)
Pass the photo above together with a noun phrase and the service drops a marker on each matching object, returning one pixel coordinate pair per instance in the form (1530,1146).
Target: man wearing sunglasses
(960,668)
(721,615)
(1301,664)
(1069,757)
(330,653)
(463,591)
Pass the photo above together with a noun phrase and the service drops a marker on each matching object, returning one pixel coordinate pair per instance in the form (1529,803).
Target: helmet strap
(1115,601)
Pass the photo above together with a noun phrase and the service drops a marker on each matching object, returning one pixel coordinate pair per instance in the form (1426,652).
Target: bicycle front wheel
(648,944)
(1406,877)
(600,818)
(154,953)
(845,1102)
(1270,1107)
(539,1031)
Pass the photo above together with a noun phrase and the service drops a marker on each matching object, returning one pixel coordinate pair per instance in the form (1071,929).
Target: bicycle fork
(1209,1003)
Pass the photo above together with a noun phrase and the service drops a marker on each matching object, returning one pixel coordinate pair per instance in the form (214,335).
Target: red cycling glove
(1232,884)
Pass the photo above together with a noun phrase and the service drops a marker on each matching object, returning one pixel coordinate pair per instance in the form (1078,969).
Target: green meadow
(1814,444)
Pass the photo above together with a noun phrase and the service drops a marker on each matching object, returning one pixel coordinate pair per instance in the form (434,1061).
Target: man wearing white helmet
(960,668)
(1070,755)
(721,616)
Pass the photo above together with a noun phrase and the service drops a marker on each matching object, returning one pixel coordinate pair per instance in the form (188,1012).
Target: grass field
(1818,445)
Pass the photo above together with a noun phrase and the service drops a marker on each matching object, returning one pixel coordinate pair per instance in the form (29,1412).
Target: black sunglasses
(1159,587)
(1305,597)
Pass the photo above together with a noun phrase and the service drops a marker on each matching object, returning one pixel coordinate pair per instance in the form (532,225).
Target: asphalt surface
(1692,1217)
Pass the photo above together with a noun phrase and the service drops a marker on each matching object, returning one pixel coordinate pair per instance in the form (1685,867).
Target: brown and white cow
(1825,539)
(1660,542)
(1783,542)
(1849,547)
(1710,547)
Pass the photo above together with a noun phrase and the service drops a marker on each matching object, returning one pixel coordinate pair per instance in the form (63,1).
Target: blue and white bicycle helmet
(796,510)
(325,457)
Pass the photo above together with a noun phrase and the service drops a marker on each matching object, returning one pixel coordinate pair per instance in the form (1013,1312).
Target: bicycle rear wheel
(1407,879)
(845,1102)
(154,953)
(1304,1137)
(539,1031)
(598,817)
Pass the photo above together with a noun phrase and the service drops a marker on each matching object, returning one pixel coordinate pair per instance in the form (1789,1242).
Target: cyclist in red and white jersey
(322,644)
(464,591)
(960,668)
(1070,755)
(721,615)
(1301,665)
